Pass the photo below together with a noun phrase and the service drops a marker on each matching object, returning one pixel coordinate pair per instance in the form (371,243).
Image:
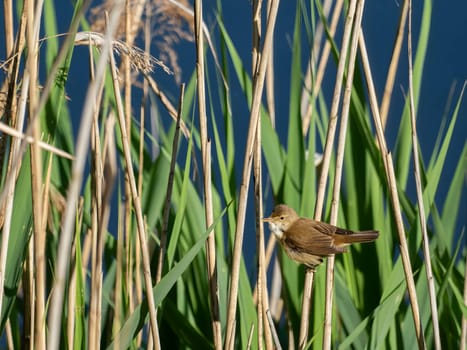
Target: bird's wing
(313,237)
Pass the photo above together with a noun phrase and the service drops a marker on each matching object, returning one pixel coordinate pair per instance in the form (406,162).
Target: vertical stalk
(305,318)
(338,172)
(392,186)
(34,13)
(396,52)
(137,205)
(262,290)
(418,185)
(308,99)
(96,203)
(82,144)
(206,159)
(243,193)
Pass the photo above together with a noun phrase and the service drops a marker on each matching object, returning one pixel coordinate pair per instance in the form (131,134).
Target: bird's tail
(349,237)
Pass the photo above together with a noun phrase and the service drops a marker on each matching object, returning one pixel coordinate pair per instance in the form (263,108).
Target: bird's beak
(269,219)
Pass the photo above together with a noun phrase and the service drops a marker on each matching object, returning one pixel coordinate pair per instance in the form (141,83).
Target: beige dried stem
(258,84)
(206,160)
(338,172)
(29,139)
(392,185)
(136,201)
(256,30)
(396,52)
(8,97)
(262,291)
(308,100)
(418,185)
(125,71)
(56,305)
(270,95)
(29,87)
(136,296)
(275,337)
(304,322)
(96,208)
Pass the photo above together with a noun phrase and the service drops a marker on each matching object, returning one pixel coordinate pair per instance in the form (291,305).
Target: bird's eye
(282,218)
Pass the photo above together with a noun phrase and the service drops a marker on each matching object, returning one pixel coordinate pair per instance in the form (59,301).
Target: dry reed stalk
(207,183)
(9,335)
(43,145)
(34,15)
(82,144)
(338,172)
(137,280)
(189,13)
(275,299)
(15,162)
(311,88)
(10,107)
(396,51)
(127,82)
(267,260)
(258,83)
(250,337)
(262,286)
(136,202)
(270,98)
(38,291)
(261,290)
(76,272)
(96,203)
(304,322)
(392,186)
(256,43)
(418,185)
(275,337)
(8,26)
(211,259)
(14,51)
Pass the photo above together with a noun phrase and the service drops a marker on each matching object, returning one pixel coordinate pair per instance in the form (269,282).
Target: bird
(308,241)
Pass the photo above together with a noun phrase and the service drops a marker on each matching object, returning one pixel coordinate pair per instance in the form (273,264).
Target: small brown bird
(308,241)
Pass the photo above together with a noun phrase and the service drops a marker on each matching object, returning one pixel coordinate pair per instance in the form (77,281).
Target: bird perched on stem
(308,241)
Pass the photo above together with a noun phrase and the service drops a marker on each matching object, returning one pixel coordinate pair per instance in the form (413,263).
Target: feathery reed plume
(171,25)
(139,59)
